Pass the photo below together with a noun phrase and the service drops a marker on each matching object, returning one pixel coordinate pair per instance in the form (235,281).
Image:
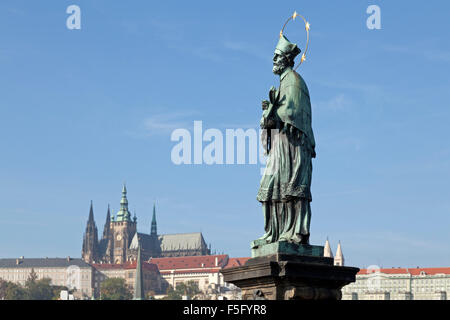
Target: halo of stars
(307,27)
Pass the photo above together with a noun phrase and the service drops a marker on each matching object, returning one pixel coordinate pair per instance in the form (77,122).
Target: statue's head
(285,53)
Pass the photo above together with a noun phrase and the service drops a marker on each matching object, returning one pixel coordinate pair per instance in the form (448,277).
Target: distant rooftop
(236,262)
(127,265)
(43,263)
(181,241)
(191,262)
(411,271)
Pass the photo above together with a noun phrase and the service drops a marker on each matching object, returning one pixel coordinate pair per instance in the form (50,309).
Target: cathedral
(120,240)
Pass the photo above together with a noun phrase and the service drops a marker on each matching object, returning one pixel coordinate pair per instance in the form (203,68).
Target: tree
(172,294)
(33,290)
(189,289)
(39,290)
(32,277)
(3,288)
(115,289)
(11,291)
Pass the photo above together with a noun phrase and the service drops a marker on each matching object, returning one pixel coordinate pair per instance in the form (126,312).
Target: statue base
(261,248)
(284,274)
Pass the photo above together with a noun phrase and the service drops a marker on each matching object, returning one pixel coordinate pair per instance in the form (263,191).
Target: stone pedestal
(285,271)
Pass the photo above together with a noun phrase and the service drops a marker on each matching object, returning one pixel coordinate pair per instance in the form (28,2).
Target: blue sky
(84,110)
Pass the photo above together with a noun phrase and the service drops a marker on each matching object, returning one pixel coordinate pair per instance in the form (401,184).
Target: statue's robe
(285,190)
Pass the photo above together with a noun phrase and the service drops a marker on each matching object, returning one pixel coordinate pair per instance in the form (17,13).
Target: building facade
(75,274)
(399,284)
(151,279)
(202,270)
(120,239)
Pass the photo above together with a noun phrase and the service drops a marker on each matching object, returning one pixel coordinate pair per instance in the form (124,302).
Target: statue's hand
(265,104)
(267,123)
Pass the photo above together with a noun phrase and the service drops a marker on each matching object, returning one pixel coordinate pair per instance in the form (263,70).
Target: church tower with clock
(122,231)
(117,235)
(121,242)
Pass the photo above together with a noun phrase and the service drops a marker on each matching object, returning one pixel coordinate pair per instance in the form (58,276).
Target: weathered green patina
(261,249)
(123,214)
(285,190)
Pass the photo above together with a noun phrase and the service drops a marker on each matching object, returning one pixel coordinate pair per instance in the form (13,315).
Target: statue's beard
(278,68)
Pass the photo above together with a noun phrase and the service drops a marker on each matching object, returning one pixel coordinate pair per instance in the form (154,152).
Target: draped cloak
(289,167)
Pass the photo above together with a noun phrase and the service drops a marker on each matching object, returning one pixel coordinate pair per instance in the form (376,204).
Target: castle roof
(182,241)
(43,263)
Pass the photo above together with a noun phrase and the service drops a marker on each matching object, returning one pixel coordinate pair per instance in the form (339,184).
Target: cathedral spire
(339,258)
(89,250)
(327,250)
(123,214)
(138,283)
(154,230)
(91,214)
(106,229)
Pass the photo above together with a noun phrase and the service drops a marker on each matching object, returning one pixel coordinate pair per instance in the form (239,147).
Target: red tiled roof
(191,262)
(412,271)
(236,262)
(431,271)
(198,270)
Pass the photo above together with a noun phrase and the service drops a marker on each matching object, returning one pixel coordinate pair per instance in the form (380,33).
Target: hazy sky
(82,111)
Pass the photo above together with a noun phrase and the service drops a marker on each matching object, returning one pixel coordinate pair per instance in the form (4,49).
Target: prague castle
(120,239)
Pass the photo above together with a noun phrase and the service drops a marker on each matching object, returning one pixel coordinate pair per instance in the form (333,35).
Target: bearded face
(280,63)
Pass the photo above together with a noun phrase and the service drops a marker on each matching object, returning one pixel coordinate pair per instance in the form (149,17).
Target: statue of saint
(285,191)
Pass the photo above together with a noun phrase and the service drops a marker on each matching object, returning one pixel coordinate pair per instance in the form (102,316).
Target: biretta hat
(284,46)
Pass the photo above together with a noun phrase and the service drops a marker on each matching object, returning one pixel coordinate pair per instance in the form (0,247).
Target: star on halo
(303,58)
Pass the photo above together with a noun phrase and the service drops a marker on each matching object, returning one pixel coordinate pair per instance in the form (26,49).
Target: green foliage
(32,277)
(39,289)
(33,290)
(11,291)
(172,294)
(189,289)
(115,289)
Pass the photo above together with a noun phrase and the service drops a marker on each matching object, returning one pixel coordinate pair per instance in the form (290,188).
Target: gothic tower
(123,229)
(107,227)
(90,252)
(339,258)
(106,243)
(327,250)
(154,231)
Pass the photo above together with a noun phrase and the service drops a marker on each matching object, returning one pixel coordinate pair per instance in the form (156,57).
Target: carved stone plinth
(290,277)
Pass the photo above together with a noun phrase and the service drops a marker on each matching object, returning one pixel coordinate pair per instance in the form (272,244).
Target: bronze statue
(285,191)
